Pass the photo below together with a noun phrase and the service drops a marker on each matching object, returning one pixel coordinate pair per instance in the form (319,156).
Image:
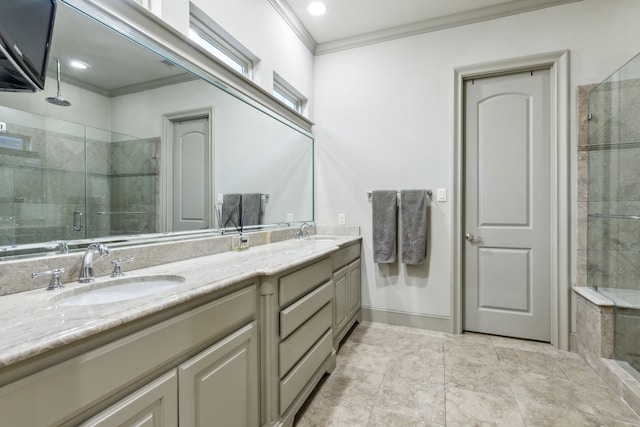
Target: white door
(507,205)
(191,175)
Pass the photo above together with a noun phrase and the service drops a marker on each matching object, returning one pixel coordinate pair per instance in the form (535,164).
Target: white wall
(384,121)
(257,25)
(87,108)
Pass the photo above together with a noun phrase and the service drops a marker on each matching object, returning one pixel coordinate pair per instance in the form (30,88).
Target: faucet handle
(55,283)
(117,269)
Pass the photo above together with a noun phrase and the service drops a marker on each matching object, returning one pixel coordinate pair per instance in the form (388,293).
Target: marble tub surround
(16,274)
(398,376)
(594,325)
(34,322)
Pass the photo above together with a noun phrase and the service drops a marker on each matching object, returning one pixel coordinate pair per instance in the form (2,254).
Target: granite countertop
(35,322)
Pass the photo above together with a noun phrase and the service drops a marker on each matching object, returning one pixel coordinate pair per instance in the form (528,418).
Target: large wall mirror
(146,146)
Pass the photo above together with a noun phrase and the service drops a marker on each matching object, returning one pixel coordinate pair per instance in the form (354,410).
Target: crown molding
(441,23)
(289,16)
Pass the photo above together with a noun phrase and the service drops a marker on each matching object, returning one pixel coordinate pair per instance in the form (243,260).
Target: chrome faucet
(302,232)
(86,270)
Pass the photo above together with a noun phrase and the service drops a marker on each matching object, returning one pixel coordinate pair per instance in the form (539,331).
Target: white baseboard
(396,318)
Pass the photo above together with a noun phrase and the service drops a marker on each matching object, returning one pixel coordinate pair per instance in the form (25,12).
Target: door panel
(504,282)
(507,205)
(504,187)
(191,174)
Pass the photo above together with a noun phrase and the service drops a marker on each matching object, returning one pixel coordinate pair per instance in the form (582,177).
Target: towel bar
(370,193)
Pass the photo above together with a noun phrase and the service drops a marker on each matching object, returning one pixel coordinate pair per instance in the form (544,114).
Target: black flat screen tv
(26,27)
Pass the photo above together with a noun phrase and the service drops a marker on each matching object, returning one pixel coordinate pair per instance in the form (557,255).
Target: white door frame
(166,163)
(558,64)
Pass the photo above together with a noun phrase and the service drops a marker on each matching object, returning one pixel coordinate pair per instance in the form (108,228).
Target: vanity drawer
(293,383)
(302,281)
(345,255)
(293,348)
(298,313)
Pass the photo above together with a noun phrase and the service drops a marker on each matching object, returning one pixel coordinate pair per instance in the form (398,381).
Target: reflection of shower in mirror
(58,99)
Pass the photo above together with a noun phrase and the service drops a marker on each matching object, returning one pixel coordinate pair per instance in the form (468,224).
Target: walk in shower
(67,181)
(613,208)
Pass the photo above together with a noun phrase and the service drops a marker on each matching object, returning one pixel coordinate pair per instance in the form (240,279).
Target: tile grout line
(513,394)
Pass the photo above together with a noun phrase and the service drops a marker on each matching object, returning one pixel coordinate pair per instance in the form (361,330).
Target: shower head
(58,99)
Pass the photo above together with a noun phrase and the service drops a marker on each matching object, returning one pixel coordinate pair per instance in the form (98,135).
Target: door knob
(473,239)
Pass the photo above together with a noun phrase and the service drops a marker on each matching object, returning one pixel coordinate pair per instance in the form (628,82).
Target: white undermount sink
(118,290)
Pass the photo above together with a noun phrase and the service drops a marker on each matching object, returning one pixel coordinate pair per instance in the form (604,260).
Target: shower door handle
(78,220)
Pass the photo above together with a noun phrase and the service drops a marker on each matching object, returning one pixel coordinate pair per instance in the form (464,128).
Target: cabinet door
(220,385)
(354,287)
(340,305)
(154,405)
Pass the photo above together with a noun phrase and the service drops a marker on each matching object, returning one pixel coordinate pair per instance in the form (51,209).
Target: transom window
(286,93)
(219,43)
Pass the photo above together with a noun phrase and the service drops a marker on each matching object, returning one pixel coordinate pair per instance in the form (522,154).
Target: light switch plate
(442,195)
(3,127)
(289,217)
(220,198)
(341,219)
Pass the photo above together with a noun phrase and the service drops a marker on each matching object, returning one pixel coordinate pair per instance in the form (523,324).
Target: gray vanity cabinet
(220,385)
(347,298)
(298,337)
(191,366)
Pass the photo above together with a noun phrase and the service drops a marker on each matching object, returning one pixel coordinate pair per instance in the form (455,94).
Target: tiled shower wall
(609,184)
(43,184)
(613,149)
(134,180)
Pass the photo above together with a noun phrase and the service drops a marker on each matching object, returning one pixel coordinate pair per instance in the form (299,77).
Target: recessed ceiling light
(317,8)
(79,65)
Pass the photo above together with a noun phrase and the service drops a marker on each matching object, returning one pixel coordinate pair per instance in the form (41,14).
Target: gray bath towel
(385,225)
(414,222)
(231,210)
(251,208)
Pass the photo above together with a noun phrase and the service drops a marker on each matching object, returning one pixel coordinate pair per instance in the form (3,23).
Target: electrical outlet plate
(3,127)
(341,219)
(289,217)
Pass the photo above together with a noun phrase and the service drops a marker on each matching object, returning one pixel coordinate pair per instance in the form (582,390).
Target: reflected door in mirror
(191,175)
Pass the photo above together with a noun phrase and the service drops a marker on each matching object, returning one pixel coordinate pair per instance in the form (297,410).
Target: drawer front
(87,379)
(302,281)
(299,343)
(345,255)
(293,383)
(297,313)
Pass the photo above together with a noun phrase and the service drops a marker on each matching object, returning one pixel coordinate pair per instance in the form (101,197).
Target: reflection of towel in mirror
(385,224)
(230,215)
(251,208)
(414,223)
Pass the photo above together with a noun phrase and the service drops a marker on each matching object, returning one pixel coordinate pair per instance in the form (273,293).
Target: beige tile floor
(394,376)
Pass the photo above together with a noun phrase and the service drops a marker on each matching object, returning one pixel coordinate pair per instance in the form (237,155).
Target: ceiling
(348,23)
(118,66)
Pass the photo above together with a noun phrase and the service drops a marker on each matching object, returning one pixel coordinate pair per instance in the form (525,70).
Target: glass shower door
(613,246)
(42,174)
